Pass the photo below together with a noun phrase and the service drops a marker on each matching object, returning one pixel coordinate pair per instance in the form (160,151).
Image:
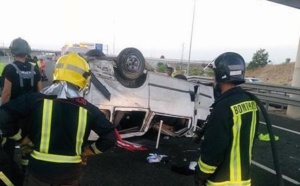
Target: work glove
(198,134)
(85,154)
(2,139)
(200,178)
(26,146)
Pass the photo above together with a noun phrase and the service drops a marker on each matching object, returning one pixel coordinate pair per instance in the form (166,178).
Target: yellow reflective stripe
(70,67)
(252,134)
(55,158)
(32,63)
(17,136)
(46,126)
(24,162)
(5,180)
(96,150)
(229,183)
(208,169)
(80,129)
(235,160)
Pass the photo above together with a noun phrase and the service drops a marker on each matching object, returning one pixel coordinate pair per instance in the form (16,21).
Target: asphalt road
(120,167)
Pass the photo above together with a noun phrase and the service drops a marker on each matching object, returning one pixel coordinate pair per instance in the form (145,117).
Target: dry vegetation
(281,74)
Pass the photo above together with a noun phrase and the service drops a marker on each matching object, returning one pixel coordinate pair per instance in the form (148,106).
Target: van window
(128,121)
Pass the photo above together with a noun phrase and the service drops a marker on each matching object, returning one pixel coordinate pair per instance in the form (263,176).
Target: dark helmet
(19,47)
(229,67)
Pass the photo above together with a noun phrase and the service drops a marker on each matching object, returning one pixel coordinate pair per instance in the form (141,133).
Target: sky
(157,27)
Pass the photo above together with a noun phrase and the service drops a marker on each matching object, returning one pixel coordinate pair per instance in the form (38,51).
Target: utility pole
(114,45)
(114,39)
(182,56)
(191,40)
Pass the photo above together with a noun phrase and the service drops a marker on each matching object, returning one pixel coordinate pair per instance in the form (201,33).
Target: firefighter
(20,77)
(60,123)
(226,149)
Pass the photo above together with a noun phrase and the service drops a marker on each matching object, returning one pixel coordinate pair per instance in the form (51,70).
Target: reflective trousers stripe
(55,157)
(5,180)
(24,161)
(229,183)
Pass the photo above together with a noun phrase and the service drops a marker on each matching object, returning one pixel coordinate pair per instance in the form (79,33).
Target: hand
(199,182)
(197,136)
(83,160)
(200,178)
(26,146)
(86,152)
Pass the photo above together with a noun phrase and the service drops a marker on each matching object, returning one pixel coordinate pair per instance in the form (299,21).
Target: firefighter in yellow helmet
(61,121)
(73,69)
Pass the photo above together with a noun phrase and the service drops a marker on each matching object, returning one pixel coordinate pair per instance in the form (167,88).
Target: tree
(259,59)
(161,67)
(194,70)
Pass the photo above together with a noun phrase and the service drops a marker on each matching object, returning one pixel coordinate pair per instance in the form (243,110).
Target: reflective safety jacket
(228,139)
(59,130)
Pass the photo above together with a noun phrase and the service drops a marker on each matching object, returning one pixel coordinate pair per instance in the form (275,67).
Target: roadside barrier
(272,95)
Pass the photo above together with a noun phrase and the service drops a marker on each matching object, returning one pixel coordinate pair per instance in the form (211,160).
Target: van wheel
(130,63)
(134,83)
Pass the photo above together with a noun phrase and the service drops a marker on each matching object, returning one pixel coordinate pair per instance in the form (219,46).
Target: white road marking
(273,172)
(288,130)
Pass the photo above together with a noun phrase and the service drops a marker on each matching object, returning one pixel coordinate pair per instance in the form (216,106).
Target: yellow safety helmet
(73,69)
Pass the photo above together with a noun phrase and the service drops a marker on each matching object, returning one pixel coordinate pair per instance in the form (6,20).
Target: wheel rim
(133,64)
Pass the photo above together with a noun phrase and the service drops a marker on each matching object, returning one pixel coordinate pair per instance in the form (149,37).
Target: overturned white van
(135,99)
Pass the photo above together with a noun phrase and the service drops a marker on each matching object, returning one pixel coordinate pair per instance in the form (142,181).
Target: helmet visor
(209,69)
(210,65)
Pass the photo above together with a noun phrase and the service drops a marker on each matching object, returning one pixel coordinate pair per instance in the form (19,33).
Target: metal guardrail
(283,95)
(270,94)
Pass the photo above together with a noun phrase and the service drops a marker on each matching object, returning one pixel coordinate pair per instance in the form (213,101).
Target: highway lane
(288,146)
(120,167)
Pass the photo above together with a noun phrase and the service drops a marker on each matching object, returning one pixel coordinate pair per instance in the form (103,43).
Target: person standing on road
(20,77)
(32,61)
(42,66)
(226,150)
(60,123)
(169,71)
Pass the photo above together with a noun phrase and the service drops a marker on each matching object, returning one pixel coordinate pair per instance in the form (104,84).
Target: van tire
(130,63)
(135,83)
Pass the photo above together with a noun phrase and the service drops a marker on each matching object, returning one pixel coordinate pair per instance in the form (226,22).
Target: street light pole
(182,56)
(191,40)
